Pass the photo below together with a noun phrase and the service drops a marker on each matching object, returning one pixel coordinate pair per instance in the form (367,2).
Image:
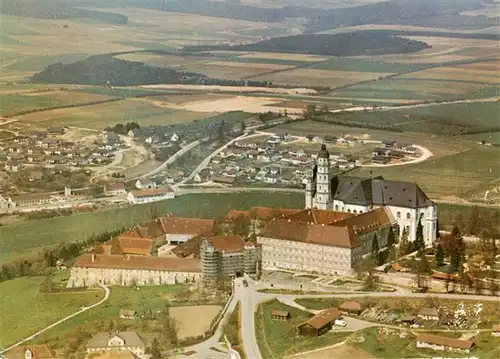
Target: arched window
(408,216)
(336,207)
(354,211)
(398,214)
(349,210)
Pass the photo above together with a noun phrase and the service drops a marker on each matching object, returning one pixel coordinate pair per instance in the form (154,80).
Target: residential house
(12,166)
(408,319)
(30,352)
(4,203)
(317,139)
(427,313)
(382,160)
(21,139)
(320,323)
(274,140)
(124,341)
(435,342)
(152,139)
(127,313)
(330,139)
(144,183)
(310,138)
(174,137)
(134,133)
(35,176)
(263,157)
(389,143)
(203,175)
(150,195)
(115,189)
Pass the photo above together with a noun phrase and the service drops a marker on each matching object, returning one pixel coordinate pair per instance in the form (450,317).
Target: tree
(375,247)
(391,238)
(458,220)
(438,235)
(419,240)
(241,225)
(169,329)
(393,255)
(457,250)
(47,286)
(423,266)
(484,240)
(404,245)
(155,350)
(369,283)
(439,256)
(474,221)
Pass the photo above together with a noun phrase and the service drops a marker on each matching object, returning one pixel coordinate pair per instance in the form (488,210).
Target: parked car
(340,322)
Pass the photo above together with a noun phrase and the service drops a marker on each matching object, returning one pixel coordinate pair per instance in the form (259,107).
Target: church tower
(322,199)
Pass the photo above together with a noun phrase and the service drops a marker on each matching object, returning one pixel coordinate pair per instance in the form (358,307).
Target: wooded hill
(344,44)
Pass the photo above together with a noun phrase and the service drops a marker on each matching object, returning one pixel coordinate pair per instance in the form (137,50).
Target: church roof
(318,216)
(100,340)
(323,152)
(378,191)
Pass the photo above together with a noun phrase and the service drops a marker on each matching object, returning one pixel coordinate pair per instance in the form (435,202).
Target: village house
(126,245)
(320,323)
(435,342)
(92,269)
(30,352)
(134,133)
(174,137)
(202,176)
(12,166)
(122,341)
(144,183)
(427,313)
(115,189)
(150,195)
(56,130)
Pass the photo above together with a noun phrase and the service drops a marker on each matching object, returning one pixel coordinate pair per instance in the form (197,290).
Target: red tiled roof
(318,216)
(350,305)
(444,276)
(446,341)
(188,248)
(132,245)
(321,319)
(366,222)
(234,213)
(267,213)
(311,233)
(137,262)
(194,226)
(228,244)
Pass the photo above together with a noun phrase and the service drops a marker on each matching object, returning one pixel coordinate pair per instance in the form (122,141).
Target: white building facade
(407,202)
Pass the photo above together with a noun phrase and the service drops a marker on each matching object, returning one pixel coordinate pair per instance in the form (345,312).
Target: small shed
(127,313)
(428,313)
(408,319)
(495,331)
(280,314)
(351,307)
(320,323)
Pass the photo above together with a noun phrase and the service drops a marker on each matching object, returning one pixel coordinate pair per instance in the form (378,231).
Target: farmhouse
(150,195)
(144,183)
(406,201)
(92,269)
(226,257)
(123,341)
(444,343)
(325,242)
(320,323)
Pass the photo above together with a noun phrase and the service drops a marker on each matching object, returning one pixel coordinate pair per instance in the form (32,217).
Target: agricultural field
(22,315)
(278,338)
(194,320)
(103,115)
(5,135)
(473,73)
(342,351)
(317,77)
(26,237)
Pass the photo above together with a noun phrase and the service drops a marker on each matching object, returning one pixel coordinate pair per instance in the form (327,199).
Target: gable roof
(137,262)
(446,341)
(350,305)
(188,248)
(378,191)
(323,318)
(140,193)
(267,213)
(311,233)
(38,351)
(368,221)
(131,245)
(432,312)
(100,340)
(228,244)
(194,226)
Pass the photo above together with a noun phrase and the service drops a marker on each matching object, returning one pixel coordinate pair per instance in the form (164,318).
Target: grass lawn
(278,339)
(24,310)
(144,299)
(18,239)
(5,134)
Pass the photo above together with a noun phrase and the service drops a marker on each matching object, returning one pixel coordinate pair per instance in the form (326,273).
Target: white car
(340,322)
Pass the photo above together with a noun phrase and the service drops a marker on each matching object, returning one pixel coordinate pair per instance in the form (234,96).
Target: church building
(406,201)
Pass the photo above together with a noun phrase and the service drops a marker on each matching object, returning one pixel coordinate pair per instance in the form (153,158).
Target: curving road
(106,296)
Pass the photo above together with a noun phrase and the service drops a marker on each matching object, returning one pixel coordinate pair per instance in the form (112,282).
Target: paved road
(207,159)
(106,296)
(174,157)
